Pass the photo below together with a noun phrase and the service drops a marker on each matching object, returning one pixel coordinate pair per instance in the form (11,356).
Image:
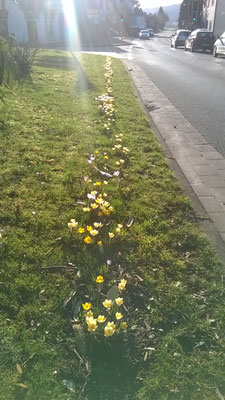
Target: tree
(162,18)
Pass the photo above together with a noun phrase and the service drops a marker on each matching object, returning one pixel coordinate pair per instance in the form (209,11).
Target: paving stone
(213,181)
(191,175)
(219,221)
(204,147)
(202,190)
(212,155)
(220,164)
(198,160)
(204,170)
(210,204)
(219,193)
(223,236)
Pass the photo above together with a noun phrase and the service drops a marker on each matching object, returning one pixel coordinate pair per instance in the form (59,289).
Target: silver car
(219,46)
(143,34)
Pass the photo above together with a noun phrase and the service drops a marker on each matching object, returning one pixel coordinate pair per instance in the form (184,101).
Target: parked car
(200,39)
(219,46)
(178,39)
(143,34)
(151,32)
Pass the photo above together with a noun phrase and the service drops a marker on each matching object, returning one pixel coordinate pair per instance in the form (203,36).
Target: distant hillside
(172,11)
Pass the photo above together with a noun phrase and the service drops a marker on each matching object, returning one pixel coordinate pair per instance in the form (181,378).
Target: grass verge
(174,346)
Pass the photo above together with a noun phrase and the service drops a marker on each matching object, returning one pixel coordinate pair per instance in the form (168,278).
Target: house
(191,16)
(57,22)
(35,21)
(214,16)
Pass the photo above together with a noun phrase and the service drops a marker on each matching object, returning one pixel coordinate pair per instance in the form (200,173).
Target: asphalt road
(193,82)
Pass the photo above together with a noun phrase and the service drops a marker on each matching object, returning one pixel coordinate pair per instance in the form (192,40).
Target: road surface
(193,82)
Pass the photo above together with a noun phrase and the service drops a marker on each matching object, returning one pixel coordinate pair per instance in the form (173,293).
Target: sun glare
(71,23)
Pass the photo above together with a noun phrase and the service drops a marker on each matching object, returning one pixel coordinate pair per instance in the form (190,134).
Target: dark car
(151,32)
(179,38)
(200,39)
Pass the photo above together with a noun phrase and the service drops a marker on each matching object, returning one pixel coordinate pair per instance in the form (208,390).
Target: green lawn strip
(175,298)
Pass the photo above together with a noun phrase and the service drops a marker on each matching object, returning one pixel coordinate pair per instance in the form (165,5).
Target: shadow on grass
(58,62)
(113,375)
(67,64)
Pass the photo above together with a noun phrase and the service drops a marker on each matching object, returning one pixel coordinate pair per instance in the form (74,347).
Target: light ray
(72,30)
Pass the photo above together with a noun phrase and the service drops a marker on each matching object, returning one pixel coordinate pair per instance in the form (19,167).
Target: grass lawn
(174,347)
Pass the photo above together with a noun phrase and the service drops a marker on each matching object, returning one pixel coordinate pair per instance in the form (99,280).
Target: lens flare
(72,31)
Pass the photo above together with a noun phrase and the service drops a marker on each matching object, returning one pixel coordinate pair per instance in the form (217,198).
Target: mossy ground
(174,348)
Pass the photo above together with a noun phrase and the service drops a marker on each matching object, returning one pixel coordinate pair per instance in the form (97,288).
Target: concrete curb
(201,164)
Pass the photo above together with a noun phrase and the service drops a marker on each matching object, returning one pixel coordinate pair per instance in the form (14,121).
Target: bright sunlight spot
(73,36)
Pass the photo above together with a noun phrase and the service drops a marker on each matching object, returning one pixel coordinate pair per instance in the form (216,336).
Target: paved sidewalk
(201,164)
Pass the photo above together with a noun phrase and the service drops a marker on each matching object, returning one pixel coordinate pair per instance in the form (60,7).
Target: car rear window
(186,34)
(205,34)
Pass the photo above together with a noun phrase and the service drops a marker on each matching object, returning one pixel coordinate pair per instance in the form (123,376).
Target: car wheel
(185,48)
(171,45)
(215,54)
(192,49)
(175,46)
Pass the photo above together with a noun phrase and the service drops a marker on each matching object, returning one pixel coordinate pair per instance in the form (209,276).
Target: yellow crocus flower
(106,212)
(88,240)
(86,306)
(72,224)
(111,235)
(101,319)
(89,314)
(119,301)
(123,325)
(93,232)
(121,286)
(100,279)
(110,329)
(107,304)
(92,324)
(94,206)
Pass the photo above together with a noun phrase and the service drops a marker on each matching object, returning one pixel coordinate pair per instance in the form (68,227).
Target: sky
(157,3)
